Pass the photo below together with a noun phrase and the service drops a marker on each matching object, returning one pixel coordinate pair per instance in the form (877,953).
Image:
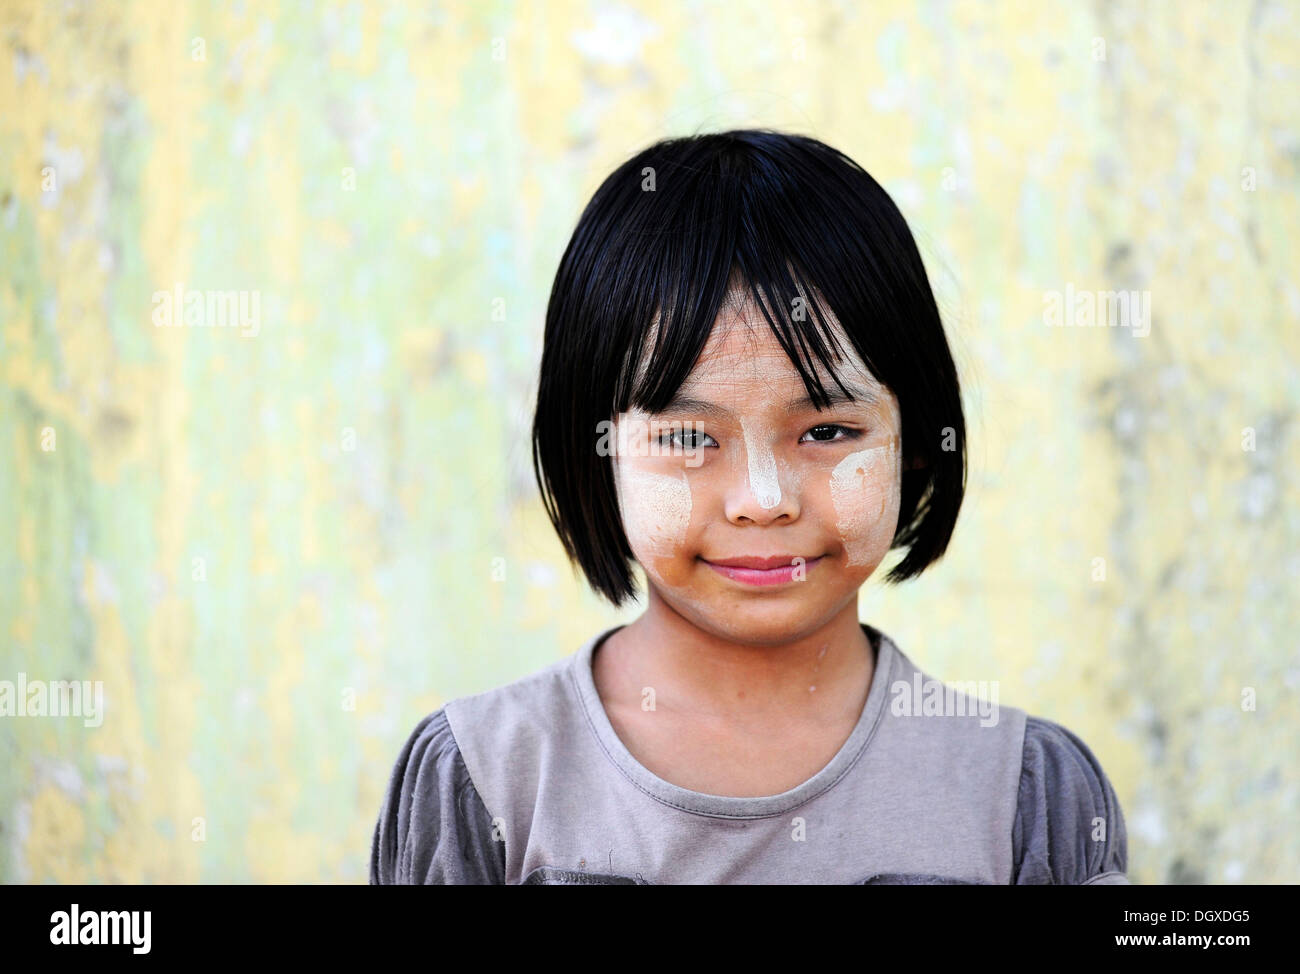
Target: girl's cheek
(656,511)
(864,491)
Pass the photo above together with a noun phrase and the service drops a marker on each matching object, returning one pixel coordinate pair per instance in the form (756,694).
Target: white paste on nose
(859,502)
(656,509)
(763,478)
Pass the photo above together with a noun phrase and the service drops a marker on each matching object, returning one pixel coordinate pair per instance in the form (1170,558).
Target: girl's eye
(826,434)
(686,439)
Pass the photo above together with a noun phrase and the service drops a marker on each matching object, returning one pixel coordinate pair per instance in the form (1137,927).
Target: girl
(745,388)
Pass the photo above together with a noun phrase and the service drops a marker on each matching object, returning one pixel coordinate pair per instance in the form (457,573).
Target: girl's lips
(763,576)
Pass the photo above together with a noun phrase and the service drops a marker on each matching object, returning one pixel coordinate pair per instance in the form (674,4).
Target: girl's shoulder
(434,825)
(1069,827)
(433,828)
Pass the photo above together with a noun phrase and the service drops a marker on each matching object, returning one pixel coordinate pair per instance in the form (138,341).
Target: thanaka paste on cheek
(656,509)
(656,512)
(864,491)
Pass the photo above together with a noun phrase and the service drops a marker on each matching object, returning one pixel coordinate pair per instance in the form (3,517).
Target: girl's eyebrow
(681,403)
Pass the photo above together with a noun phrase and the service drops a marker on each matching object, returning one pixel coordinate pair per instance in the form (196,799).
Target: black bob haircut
(669,233)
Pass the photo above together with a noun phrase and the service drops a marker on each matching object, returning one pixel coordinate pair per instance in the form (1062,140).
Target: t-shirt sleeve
(1069,828)
(433,827)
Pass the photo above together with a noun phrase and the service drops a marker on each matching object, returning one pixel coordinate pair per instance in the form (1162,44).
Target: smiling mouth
(772,570)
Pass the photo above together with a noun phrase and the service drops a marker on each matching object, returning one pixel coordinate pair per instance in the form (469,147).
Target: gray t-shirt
(529,784)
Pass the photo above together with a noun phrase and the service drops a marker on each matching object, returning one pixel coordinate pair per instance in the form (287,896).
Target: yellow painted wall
(275,545)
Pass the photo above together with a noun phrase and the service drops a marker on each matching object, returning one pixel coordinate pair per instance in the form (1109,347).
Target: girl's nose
(757,494)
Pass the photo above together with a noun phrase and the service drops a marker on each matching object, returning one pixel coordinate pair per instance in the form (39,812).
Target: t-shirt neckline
(730,806)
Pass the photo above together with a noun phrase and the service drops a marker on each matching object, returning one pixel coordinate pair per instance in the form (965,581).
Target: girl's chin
(763,628)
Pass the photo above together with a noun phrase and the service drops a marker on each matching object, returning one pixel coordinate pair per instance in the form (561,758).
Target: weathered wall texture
(274,544)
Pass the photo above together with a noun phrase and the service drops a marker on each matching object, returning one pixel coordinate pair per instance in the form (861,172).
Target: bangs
(718,239)
(667,350)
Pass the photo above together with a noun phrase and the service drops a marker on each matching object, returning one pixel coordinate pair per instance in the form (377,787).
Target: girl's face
(742,467)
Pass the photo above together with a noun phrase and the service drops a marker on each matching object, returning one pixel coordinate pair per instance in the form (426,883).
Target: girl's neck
(821,674)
